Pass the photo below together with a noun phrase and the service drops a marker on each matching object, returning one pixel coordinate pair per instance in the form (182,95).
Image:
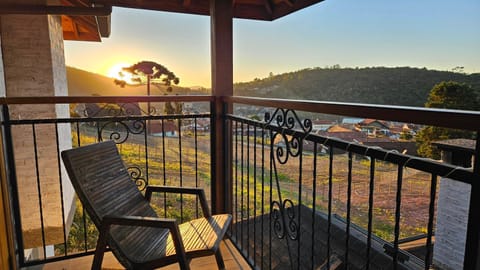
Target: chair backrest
(103,183)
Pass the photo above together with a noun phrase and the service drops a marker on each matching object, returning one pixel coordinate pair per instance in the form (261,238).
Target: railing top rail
(103,99)
(467,120)
(458,173)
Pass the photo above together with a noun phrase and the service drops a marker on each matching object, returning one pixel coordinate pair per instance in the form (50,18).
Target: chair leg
(219,258)
(99,251)
(97,259)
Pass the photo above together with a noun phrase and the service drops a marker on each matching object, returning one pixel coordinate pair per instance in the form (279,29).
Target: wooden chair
(127,223)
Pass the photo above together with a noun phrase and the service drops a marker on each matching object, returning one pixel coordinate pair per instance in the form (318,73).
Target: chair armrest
(182,190)
(167,223)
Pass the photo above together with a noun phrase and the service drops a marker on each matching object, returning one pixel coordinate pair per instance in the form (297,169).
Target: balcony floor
(233,261)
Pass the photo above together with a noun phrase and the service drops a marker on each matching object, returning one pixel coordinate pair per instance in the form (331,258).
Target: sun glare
(116,72)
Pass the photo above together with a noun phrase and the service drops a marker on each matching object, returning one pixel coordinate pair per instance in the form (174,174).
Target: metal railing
(299,200)
(50,223)
(304,201)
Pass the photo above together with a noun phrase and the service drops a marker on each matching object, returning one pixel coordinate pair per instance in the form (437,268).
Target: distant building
(374,127)
(351,120)
(165,128)
(321,125)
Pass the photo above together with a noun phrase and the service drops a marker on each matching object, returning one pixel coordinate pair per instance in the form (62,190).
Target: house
(373,127)
(321,125)
(351,120)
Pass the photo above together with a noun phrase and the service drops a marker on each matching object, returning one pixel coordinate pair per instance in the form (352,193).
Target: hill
(84,83)
(379,85)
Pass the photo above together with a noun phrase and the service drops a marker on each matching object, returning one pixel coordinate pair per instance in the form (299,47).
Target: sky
(436,34)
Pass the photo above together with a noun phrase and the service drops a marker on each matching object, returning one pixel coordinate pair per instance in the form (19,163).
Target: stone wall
(34,65)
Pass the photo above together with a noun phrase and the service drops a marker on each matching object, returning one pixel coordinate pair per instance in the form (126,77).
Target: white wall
(451,228)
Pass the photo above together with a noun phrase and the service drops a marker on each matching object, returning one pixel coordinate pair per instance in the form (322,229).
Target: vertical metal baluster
(196,161)
(370,210)
(12,178)
(397,216)
(84,218)
(431,215)
(254,194)
(314,199)
(241,183)
(164,169)
(236,182)
(61,189)
(145,140)
(300,175)
(270,201)
(330,192)
(99,138)
(248,191)
(180,164)
(349,206)
(39,190)
(263,197)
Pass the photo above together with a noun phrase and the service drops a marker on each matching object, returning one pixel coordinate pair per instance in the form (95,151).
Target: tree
(446,95)
(152,73)
(149,72)
(406,135)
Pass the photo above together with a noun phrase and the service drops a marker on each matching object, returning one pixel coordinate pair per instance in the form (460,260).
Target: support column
(472,246)
(34,65)
(221,13)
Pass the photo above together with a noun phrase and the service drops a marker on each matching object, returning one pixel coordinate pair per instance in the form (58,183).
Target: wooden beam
(55,10)
(282,10)
(187,3)
(76,33)
(268,6)
(221,13)
(288,2)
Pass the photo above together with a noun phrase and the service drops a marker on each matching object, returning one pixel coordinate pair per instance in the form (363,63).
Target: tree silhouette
(446,95)
(152,73)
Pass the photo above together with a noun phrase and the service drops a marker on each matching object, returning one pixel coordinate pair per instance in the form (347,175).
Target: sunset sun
(116,72)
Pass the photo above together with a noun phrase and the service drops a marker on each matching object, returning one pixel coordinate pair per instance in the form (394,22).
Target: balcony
(299,199)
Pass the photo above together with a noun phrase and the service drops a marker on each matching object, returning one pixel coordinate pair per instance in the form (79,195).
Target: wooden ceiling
(75,27)
(268,10)
(89,20)
(80,20)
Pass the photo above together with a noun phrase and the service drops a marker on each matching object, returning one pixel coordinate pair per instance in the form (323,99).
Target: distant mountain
(380,85)
(84,83)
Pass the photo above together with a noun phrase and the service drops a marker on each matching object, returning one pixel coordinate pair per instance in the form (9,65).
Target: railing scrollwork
(119,131)
(137,176)
(284,146)
(282,227)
